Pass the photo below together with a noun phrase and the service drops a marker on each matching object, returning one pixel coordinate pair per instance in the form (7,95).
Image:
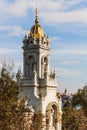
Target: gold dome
(36,30)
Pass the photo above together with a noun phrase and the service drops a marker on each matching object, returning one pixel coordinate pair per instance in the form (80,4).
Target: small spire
(25,35)
(36,12)
(65,90)
(36,20)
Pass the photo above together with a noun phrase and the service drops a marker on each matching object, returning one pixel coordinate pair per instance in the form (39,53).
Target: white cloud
(11,55)
(7,51)
(54,12)
(62,71)
(13,30)
(55,38)
(76,28)
(71,51)
(63,11)
(68,62)
(77,16)
(18,8)
(72,2)
(57,5)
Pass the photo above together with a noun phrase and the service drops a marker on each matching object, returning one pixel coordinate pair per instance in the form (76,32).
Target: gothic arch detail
(52,111)
(44,65)
(30,62)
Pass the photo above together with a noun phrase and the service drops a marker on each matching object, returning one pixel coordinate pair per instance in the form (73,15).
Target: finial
(36,12)
(36,20)
(65,90)
(25,35)
(25,38)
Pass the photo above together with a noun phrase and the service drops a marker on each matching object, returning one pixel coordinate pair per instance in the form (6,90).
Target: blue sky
(64,21)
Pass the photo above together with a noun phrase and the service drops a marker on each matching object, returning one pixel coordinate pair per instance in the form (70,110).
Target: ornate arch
(52,111)
(30,62)
(44,65)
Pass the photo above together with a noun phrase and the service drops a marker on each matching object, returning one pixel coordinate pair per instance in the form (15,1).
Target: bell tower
(36,51)
(39,84)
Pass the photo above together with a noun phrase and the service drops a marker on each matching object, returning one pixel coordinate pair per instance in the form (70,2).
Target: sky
(64,21)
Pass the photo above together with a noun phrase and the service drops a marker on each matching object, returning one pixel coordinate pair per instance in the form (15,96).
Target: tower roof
(36,30)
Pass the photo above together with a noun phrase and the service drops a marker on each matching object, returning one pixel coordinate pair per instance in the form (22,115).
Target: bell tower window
(44,64)
(29,66)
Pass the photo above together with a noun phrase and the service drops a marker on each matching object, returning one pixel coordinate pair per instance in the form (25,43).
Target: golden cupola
(36,30)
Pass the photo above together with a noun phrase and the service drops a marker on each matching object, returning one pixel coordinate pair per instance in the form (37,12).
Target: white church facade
(39,84)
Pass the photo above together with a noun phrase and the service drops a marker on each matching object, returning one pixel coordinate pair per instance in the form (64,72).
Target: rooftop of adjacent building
(66,98)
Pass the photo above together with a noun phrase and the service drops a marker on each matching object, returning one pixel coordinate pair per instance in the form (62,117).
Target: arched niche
(52,116)
(44,65)
(30,63)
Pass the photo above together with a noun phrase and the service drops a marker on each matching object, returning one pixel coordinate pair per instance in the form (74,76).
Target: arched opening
(52,116)
(44,66)
(54,108)
(29,66)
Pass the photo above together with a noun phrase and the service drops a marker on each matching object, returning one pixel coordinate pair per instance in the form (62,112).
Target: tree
(9,96)
(75,117)
(15,113)
(79,99)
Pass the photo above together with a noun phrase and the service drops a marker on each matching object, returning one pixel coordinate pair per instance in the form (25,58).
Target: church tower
(39,84)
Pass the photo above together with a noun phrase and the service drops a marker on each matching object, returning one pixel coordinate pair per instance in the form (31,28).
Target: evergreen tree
(10,113)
